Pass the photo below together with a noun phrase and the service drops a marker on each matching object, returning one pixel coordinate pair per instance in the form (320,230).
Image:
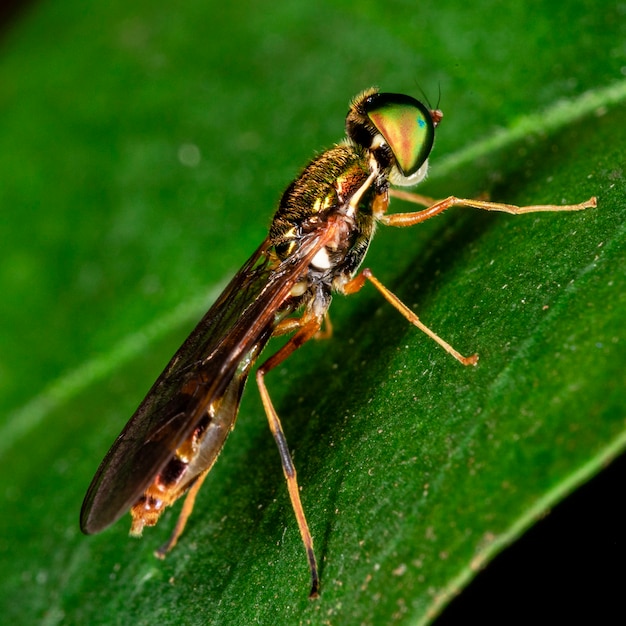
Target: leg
(434,208)
(410,219)
(290,324)
(359,280)
(185,512)
(308,329)
(409,196)
(327,331)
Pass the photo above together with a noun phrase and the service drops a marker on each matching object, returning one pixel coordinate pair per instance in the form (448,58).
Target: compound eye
(406,125)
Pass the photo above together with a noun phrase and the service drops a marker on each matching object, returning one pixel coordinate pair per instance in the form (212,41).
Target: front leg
(410,219)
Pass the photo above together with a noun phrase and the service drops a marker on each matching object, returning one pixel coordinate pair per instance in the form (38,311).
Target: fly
(317,241)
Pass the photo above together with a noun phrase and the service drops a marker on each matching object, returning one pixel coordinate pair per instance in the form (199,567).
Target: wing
(221,348)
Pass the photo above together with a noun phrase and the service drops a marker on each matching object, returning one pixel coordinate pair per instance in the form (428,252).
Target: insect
(317,241)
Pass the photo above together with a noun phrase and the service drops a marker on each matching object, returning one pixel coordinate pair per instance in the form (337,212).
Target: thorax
(339,186)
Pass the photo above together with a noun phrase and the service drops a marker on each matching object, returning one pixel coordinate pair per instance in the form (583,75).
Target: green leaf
(143,149)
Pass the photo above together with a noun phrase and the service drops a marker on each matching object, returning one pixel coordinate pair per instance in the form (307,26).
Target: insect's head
(398,130)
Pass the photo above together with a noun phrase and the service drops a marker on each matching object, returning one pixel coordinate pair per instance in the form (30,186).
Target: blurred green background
(144,147)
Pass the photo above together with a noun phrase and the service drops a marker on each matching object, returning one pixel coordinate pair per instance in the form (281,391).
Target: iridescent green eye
(406,125)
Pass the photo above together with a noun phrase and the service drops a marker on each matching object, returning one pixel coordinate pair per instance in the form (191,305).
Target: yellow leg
(434,207)
(308,329)
(357,283)
(410,219)
(183,517)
